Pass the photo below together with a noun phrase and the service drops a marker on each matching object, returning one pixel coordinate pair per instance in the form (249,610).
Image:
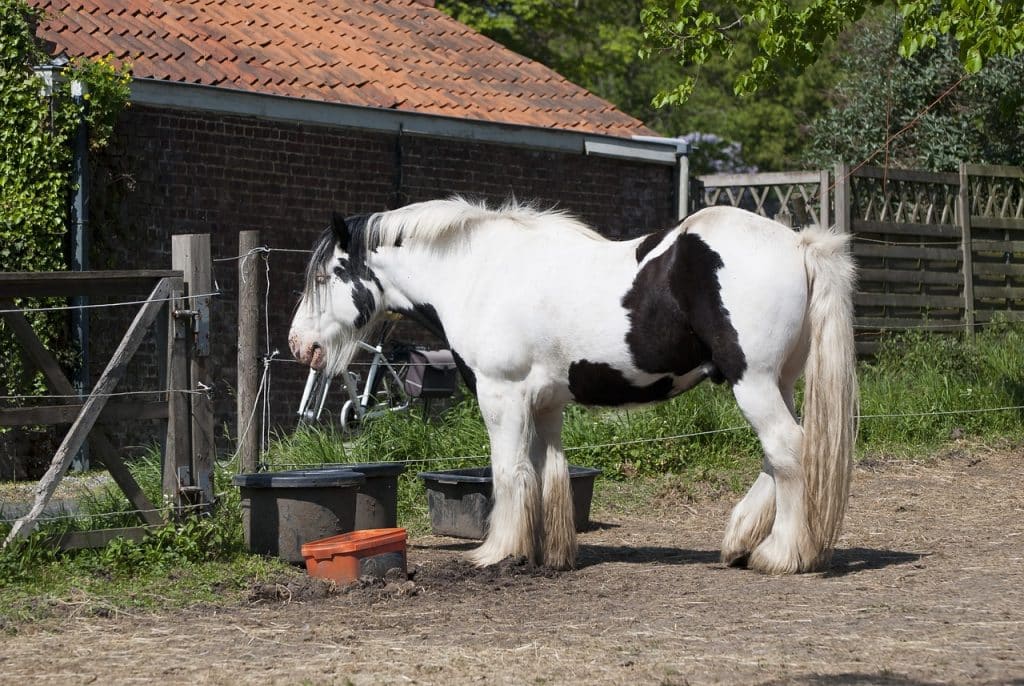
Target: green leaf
(973,61)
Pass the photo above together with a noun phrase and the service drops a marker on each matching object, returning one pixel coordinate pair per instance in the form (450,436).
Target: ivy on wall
(37,130)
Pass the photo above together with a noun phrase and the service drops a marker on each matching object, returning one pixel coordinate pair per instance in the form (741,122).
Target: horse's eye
(321,278)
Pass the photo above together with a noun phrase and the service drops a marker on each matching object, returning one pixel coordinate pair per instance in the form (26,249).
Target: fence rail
(940,250)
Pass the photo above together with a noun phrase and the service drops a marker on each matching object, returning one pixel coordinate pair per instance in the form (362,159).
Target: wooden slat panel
(951,231)
(912,252)
(986,315)
(950,278)
(899,324)
(66,414)
(66,284)
(950,178)
(908,300)
(994,170)
(759,179)
(1005,223)
(996,245)
(1006,292)
(76,540)
(989,269)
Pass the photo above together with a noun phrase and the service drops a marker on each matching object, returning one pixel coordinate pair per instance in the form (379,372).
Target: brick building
(272,114)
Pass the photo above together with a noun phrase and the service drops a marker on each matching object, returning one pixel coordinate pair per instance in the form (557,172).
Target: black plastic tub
(377,498)
(283,510)
(459,500)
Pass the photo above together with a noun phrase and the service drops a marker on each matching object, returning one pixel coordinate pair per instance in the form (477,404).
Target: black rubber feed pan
(283,510)
(459,500)
(377,499)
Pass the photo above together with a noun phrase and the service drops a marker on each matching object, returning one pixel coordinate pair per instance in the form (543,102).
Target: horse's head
(342,296)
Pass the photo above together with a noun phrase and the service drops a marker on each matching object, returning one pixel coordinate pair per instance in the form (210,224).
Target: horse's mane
(436,221)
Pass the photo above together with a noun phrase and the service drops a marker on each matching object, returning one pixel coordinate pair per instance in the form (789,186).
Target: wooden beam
(190,253)
(909,300)
(963,215)
(913,232)
(1004,223)
(951,254)
(247,416)
(760,179)
(76,540)
(65,414)
(112,375)
(178,443)
(66,284)
(842,198)
(914,176)
(909,276)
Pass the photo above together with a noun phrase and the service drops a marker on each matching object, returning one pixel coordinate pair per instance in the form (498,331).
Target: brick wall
(172,172)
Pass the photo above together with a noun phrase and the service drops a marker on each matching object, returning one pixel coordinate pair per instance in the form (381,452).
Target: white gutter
(195,97)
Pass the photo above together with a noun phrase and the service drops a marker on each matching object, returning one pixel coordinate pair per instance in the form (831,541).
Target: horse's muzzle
(309,354)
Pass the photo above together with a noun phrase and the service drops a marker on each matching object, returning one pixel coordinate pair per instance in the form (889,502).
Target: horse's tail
(830,387)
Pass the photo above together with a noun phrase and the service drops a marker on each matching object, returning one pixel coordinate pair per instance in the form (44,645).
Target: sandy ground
(927,587)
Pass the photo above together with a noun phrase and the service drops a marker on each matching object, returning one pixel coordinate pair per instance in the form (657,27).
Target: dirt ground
(927,587)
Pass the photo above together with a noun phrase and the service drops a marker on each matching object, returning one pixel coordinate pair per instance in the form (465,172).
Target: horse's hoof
(739,558)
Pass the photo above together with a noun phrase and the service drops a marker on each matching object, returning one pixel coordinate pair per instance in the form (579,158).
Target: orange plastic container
(347,557)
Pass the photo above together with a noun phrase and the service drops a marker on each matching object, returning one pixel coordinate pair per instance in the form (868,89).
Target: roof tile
(400,54)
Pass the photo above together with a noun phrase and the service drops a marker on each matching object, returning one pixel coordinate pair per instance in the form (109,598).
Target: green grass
(923,390)
(917,395)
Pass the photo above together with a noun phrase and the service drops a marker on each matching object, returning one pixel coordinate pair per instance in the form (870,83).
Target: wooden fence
(936,250)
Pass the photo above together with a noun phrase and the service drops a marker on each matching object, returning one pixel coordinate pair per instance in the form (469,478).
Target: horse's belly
(599,383)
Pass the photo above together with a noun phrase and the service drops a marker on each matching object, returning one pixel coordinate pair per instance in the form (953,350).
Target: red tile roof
(400,54)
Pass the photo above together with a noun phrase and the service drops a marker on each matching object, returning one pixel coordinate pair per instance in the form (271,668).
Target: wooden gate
(164,307)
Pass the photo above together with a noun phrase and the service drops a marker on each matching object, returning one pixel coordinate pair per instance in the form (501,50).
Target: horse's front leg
(515,527)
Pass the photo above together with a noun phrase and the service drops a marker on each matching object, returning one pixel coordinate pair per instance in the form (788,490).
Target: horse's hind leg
(752,518)
(559,547)
(788,547)
(514,527)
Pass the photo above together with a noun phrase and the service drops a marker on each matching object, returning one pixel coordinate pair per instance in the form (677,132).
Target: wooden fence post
(178,443)
(247,415)
(191,254)
(963,215)
(842,204)
(823,192)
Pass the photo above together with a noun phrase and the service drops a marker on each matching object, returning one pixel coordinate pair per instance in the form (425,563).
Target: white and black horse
(541,310)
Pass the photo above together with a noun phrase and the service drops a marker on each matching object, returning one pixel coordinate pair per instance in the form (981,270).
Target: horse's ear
(341,232)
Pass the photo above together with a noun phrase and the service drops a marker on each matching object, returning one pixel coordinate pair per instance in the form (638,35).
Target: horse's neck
(414,276)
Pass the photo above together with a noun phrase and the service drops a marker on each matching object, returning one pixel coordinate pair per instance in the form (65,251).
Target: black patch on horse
(675,329)
(357,245)
(597,383)
(366,304)
(649,243)
(426,316)
(468,375)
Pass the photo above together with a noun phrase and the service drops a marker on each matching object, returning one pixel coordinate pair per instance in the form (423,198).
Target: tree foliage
(792,34)
(922,111)
(36,130)
(597,44)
